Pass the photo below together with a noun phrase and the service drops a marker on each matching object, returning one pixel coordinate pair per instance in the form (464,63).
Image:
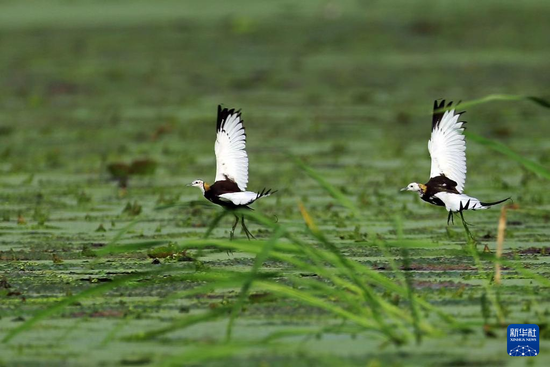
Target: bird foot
(245,229)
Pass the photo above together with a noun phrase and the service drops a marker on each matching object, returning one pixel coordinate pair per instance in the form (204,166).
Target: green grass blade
(519,268)
(373,300)
(181,324)
(411,296)
(503,149)
(307,298)
(258,262)
(214,223)
(58,307)
(329,188)
(122,232)
(504,97)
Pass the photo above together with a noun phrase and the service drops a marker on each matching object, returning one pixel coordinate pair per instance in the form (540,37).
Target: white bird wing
(239,198)
(245,197)
(230,148)
(457,202)
(447,145)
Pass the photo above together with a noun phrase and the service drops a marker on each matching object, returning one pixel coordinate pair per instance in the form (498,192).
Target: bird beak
(189,184)
(403,189)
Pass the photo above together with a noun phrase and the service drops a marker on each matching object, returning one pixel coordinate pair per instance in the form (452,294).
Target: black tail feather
(495,202)
(265,192)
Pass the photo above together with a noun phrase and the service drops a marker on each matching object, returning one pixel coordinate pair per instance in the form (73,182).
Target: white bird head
(413,186)
(199,184)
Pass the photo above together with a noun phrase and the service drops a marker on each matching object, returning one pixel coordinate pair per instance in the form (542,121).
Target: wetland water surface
(338,85)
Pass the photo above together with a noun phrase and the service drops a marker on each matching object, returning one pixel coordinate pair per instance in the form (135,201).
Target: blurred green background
(88,87)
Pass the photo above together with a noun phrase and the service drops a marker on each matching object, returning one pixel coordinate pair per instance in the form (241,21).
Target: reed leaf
(182,323)
(503,97)
(307,298)
(503,149)
(67,301)
(338,195)
(258,262)
(519,268)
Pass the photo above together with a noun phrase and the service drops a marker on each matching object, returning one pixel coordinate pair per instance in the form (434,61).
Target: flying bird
(447,147)
(229,188)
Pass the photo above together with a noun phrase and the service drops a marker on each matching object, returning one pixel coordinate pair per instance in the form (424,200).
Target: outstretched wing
(447,145)
(230,148)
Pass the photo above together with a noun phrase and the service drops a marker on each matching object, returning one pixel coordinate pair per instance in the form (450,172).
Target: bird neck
(205,187)
(423,189)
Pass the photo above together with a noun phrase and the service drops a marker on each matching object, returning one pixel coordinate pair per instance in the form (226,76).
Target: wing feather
(245,197)
(230,148)
(447,145)
(239,198)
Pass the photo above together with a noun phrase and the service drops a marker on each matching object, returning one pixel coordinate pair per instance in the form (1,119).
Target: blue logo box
(523,340)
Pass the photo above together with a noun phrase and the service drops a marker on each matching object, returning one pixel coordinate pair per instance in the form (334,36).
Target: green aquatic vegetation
(532,166)
(86,85)
(506,97)
(328,263)
(330,189)
(132,209)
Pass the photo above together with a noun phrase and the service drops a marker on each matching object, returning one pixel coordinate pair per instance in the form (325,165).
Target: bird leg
(463,220)
(245,229)
(467,229)
(232,233)
(450,218)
